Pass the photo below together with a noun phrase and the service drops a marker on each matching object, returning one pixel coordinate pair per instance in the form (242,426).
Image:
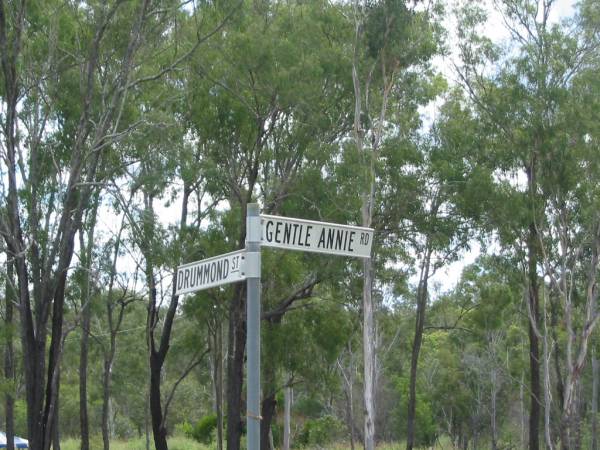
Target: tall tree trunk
(269,403)
(236,348)
(86,315)
(105,403)
(56,426)
(218,379)
(422,294)
(369,355)
(522,403)
(9,356)
(547,382)
(159,349)
(159,431)
(235,367)
(533,313)
(83,366)
(288,398)
(595,380)
(494,395)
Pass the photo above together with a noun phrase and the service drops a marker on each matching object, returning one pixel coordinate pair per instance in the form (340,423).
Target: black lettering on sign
(287,233)
(330,238)
(278,232)
(295,231)
(364,238)
(187,277)
(352,233)
(300,235)
(197,276)
(321,243)
(339,239)
(205,273)
(308,228)
(179,280)
(269,231)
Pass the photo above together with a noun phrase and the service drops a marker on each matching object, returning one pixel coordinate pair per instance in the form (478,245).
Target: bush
(204,429)
(321,431)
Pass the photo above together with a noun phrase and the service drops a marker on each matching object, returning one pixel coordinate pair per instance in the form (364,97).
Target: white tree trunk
(287,417)
(594,402)
(369,357)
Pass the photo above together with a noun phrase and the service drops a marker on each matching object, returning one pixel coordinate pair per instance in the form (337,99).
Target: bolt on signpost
(268,231)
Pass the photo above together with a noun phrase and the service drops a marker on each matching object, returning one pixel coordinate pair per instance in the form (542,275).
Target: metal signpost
(268,231)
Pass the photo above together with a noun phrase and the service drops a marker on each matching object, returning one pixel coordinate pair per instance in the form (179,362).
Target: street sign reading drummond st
(312,236)
(211,272)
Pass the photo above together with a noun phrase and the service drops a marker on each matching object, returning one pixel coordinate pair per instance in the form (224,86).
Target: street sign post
(268,231)
(253,327)
(312,236)
(211,272)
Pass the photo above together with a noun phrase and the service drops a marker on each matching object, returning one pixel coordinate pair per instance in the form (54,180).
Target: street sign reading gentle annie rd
(211,272)
(312,236)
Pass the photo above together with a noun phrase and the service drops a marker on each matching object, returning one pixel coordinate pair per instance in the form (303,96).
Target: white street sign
(312,236)
(211,272)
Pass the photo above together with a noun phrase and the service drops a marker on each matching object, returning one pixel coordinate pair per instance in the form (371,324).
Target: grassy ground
(182,443)
(175,443)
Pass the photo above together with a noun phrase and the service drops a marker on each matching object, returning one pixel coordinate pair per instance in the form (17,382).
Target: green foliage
(321,431)
(203,430)
(426,430)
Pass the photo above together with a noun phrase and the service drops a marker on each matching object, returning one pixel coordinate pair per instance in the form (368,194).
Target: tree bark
(86,315)
(236,351)
(269,403)
(422,294)
(494,395)
(595,379)
(159,431)
(533,314)
(287,418)
(83,365)
(9,356)
(369,355)
(235,367)
(217,375)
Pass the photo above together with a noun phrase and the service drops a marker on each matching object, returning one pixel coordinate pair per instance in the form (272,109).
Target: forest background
(134,135)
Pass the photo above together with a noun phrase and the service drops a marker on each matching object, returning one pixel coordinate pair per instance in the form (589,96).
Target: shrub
(204,429)
(321,431)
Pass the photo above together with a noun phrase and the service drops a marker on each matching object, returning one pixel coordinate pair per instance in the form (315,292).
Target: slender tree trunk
(269,403)
(288,398)
(9,356)
(522,403)
(218,379)
(83,365)
(494,395)
(533,313)
(422,294)
(349,395)
(159,431)
(595,376)
(235,367)
(236,350)
(534,350)
(56,426)
(547,382)
(86,315)
(369,355)
(105,403)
